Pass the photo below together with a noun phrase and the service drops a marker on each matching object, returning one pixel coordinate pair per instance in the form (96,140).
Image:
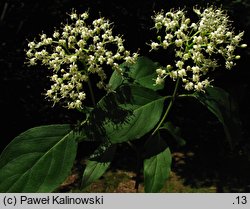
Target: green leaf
(143,72)
(175,132)
(224,108)
(157,164)
(38,160)
(145,109)
(99,162)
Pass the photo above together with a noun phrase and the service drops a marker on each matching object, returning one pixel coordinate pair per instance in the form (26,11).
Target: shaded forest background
(23,106)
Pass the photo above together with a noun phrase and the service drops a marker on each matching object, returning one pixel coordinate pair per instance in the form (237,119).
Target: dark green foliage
(221,104)
(142,73)
(127,114)
(157,164)
(175,132)
(98,163)
(38,160)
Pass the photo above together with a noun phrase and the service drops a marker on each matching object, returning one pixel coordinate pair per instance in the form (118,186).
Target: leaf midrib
(39,159)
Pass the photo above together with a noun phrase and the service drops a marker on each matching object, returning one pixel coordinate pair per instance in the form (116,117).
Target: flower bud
(243,45)
(169,67)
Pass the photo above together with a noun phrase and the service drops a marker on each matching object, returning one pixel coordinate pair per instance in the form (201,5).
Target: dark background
(23,106)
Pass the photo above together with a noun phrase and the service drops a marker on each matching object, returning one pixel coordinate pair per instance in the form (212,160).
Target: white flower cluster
(198,46)
(76,51)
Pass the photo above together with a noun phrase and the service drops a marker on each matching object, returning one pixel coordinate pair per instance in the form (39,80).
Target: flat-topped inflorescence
(75,52)
(198,46)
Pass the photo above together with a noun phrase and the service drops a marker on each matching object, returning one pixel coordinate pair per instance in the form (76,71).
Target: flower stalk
(91,93)
(168,108)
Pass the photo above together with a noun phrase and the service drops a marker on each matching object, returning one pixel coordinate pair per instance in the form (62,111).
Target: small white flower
(49,93)
(196,78)
(205,83)
(186,56)
(29,53)
(159,17)
(110,61)
(158,25)
(159,80)
(43,36)
(62,42)
(101,59)
(179,53)
(194,26)
(229,64)
(209,49)
(65,34)
(71,38)
(129,60)
(73,16)
(32,61)
(169,37)
(165,44)
(236,39)
(56,34)
(173,75)
(179,64)
(182,73)
(96,39)
(58,49)
(66,76)
(84,15)
(230,48)
(195,69)
(54,77)
(161,72)
(73,58)
(178,42)
(47,41)
(154,45)
(78,103)
(199,86)
(31,45)
(81,96)
(189,86)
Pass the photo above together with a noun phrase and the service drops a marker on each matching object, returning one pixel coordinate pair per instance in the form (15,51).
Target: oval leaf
(157,166)
(143,72)
(98,164)
(38,160)
(145,109)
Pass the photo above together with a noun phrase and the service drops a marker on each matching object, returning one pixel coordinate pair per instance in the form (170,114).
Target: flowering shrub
(40,159)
